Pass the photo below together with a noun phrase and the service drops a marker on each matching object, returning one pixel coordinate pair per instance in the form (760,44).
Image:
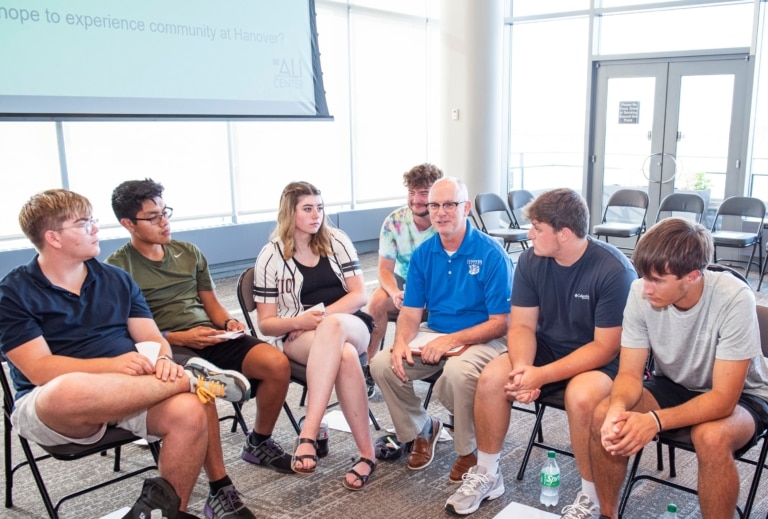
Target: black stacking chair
(491,204)
(113,440)
(728,229)
(684,205)
(624,216)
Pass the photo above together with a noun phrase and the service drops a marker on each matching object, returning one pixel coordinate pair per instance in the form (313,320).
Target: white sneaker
(582,508)
(476,487)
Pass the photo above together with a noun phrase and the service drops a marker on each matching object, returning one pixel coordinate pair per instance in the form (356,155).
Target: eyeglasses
(154,220)
(86,225)
(448,207)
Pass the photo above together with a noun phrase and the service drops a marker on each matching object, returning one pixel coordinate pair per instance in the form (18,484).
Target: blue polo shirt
(463,289)
(91,325)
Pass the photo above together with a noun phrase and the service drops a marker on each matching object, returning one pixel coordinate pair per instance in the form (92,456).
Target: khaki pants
(455,389)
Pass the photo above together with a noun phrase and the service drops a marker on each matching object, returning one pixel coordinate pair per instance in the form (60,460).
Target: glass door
(664,126)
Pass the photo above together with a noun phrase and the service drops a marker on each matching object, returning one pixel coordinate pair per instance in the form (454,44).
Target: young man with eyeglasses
(568,298)
(68,328)
(463,278)
(176,282)
(402,231)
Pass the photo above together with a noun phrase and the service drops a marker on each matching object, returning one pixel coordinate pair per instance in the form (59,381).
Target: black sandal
(303,457)
(362,479)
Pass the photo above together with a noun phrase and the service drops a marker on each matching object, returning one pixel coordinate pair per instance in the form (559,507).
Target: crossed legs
(80,403)
(332,355)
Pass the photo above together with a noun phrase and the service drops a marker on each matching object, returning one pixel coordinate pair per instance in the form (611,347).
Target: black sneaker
(225,504)
(371,385)
(267,454)
(158,494)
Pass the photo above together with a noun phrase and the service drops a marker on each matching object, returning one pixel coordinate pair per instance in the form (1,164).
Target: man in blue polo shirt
(463,278)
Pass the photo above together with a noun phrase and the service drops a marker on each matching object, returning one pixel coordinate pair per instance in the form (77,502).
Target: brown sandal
(362,479)
(303,457)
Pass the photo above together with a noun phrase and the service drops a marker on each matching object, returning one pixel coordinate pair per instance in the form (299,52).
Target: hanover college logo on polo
(474,266)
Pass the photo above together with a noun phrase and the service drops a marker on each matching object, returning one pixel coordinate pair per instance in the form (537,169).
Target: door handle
(674,171)
(662,155)
(645,173)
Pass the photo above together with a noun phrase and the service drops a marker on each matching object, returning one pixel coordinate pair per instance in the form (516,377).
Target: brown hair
(673,246)
(49,209)
(320,243)
(560,208)
(423,175)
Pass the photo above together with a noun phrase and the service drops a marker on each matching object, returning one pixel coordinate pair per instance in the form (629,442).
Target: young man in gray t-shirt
(711,375)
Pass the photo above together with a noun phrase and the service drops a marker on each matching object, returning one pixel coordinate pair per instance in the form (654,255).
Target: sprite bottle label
(550,480)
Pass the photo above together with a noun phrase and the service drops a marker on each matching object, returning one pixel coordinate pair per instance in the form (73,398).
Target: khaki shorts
(28,424)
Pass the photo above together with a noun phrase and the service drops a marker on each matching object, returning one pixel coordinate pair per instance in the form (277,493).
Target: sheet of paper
(516,510)
(228,335)
(319,307)
(337,421)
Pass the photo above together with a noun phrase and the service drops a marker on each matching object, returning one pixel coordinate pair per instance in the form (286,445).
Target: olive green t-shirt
(171,286)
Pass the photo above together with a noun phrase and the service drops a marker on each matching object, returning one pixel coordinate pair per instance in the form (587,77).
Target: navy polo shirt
(91,325)
(463,289)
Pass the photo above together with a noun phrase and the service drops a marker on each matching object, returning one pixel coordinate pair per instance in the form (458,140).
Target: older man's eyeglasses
(155,219)
(86,224)
(448,207)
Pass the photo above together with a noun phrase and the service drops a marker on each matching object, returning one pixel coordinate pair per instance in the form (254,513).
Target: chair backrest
(682,203)
(245,298)
(621,203)
(762,321)
(744,206)
(517,199)
(716,267)
(628,198)
(491,203)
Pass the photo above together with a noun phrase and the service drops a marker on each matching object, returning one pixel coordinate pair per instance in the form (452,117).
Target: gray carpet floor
(393,492)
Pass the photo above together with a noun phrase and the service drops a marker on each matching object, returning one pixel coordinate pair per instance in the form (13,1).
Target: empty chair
(517,199)
(728,229)
(491,204)
(624,216)
(684,205)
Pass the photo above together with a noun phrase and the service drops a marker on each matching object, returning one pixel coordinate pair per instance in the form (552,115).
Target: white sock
(588,487)
(490,462)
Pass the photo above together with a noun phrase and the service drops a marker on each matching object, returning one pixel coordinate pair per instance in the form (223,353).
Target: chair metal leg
(630,483)
(531,442)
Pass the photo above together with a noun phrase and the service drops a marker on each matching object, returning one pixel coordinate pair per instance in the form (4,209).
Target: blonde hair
(320,242)
(49,209)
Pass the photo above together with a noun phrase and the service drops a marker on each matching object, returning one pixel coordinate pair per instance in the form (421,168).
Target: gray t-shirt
(722,325)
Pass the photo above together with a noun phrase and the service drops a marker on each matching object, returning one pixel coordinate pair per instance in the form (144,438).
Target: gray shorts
(28,424)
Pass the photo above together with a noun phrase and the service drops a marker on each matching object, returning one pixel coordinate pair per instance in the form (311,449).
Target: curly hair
(422,176)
